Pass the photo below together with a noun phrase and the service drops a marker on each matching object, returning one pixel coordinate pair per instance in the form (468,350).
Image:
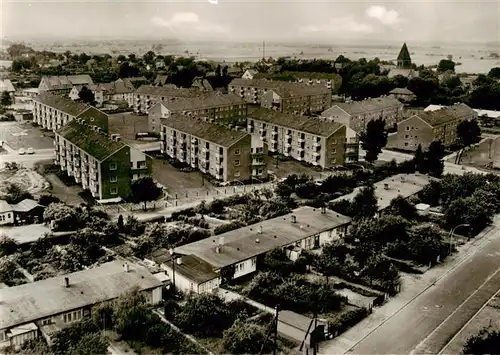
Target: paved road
(426,324)
(28,159)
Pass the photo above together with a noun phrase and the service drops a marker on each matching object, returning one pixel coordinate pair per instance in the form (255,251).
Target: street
(28,160)
(426,324)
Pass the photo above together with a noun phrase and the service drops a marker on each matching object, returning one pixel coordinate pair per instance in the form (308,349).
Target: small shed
(423,209)
(295,326)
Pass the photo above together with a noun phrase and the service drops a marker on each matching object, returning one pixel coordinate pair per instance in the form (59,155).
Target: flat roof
(247,242)
(404,185)
(29,302)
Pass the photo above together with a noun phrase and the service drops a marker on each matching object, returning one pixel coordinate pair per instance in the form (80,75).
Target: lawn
(23,135)
(287,167)
(179,182)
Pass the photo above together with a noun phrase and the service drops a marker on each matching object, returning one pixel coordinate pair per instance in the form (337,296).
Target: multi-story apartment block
(53,111)
(63,84)
(225,154)
(100,163)
(312,140)
(116,91)
(459,110)
(424,128)
(331,81)
(147,95)
(283,96)
(213,105)
(357,114)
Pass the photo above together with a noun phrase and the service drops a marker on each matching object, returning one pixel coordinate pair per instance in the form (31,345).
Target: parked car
(21,151)
(30,151)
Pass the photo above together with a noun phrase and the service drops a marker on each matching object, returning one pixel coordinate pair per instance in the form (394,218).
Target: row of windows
(3,217)
(72,316)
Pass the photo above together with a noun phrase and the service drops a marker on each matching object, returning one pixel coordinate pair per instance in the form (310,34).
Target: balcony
(316,154)
(274,133)
(257,162)
(301,139)
(317,145)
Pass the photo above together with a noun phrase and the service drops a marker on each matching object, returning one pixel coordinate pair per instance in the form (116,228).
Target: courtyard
(23,135)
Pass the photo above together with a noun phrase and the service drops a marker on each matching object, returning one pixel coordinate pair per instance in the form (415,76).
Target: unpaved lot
(26,179)
(24,135)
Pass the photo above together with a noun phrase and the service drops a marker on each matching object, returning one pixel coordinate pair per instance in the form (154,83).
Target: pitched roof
(6,85)
(301,75)
(116,87)
(96,144)
(401,91)
(5,207)
(25,205)
(205,130)
(458,110)
(167,91)
(250,241)
(60,103)
(283,88)
(404,185)
(83,79)
(40,299)
(313,125)
(407,73)
(66,82)
(435,118)
(207,100)
(404,53)
(202,84)
(357,107)
(160,79)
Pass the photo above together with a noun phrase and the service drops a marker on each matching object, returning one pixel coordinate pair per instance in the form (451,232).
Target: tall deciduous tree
(364,204)
(144,190)
(6,99)
(374,139)
(87,96)
(418,159)
(445,65)
(468,133)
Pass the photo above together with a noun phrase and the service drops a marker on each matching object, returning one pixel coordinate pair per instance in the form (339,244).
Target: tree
(8,245)
(14,194)
(485,342)
(494,73)
(71,336)
(468,133)
(87,96)
(418,160)
(446,65)
(120,223)
(245,338)
(364,204)
(204,315)
(374,139)
(46,200)
(90,344)
(434,159)
(64,217)
(400,206)
(144,190)
(6,99)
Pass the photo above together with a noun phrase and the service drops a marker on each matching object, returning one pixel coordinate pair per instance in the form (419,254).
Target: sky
(318,21)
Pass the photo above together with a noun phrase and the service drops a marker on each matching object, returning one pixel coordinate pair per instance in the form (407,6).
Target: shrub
(223,228)
(346,320)
(245,338)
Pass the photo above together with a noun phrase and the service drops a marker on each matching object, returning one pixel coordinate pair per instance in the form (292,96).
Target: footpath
(412,286)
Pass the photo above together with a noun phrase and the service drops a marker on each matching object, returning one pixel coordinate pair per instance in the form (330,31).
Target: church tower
(404,60)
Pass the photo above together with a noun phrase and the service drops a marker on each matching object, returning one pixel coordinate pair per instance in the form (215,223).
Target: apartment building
(459,110)
(43,307)
(357,114)
(312,140)
(211,105)
(424,128)
(225,154)
(147,96)
(63,84)
(199,265)
(100,163)
(53,111)
(283,96)
(329,80)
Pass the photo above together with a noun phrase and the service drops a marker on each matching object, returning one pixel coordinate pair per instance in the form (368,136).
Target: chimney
(179,261)
(402,178)
(294,218)
(221,241)
(386,186)
(257,240)
(66,282)
(260,229)
(126,267)
(218,249)
(323,209)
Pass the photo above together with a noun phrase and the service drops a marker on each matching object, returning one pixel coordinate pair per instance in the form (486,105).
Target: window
(113,191)
(407,128)
(407,136)
(112,166)
(47,321)
(236,163)
(254,261)
(237,173)
(8,215)
(236,152)
(113,179)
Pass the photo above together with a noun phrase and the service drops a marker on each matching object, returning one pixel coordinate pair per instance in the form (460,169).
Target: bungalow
(405,185)
(45,306)
(25,212)
(201,266)
(402,94)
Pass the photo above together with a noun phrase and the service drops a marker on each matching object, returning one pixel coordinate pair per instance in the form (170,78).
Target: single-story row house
(197,267)
(46,306)
(25,212)
(404,185)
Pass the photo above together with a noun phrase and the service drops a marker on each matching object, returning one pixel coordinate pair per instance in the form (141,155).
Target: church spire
(404,59)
